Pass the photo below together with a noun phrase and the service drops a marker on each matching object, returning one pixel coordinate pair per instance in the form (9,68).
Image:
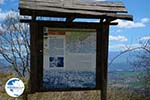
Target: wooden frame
(71,9)
(36,30)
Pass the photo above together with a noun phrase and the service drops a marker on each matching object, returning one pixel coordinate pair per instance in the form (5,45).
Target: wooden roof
(75,8)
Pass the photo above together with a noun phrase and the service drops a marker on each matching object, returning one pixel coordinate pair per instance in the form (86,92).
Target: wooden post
(36,58)
(102,58)
(98,58)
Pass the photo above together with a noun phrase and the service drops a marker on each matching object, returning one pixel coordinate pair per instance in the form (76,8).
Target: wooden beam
(69,5)
(97,3)
(101,3)
(36,58)
(33,57)
(102,59)
(40,57)
(57,24)
(70,19)
(98,58)
(58,12)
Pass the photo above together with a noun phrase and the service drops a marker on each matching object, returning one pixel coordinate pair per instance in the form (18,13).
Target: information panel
(69,59)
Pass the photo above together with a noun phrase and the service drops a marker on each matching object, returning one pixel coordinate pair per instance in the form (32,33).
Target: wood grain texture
(36,58)
(59,12)
(80,25)
(74,8)
(108,7)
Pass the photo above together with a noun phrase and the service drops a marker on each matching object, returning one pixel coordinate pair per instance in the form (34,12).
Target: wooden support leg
(36,58)
(102,58)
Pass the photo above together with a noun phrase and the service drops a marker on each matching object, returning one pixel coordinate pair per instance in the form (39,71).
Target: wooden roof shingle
(76,8)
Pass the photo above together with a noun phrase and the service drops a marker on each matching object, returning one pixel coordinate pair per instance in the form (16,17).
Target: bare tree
(141,63)
(142,66)
(14,43)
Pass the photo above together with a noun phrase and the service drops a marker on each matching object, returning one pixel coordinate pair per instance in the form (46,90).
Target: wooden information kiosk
(68,54)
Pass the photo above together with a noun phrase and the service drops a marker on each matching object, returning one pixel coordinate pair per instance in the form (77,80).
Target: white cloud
(132,24)
(145,20)
(129,24)
(1,1)
(1,29)
(145,38)
(123,47)
(3,15)
(118,38)
(117,47)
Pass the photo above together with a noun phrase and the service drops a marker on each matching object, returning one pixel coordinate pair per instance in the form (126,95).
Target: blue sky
(125,34)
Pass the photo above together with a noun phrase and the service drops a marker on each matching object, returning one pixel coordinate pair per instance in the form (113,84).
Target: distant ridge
(120,64)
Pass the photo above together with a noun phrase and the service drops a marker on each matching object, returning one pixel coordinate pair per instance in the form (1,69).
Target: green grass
(136,84)
(128,79)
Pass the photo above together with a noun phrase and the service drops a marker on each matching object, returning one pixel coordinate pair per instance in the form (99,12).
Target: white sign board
(69,59)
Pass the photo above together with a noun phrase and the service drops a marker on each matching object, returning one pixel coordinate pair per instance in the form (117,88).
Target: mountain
(3,63)
(119,64)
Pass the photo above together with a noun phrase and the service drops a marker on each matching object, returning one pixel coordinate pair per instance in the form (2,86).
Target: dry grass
(75,95)
(113,94)
(120,94)
(3,80)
